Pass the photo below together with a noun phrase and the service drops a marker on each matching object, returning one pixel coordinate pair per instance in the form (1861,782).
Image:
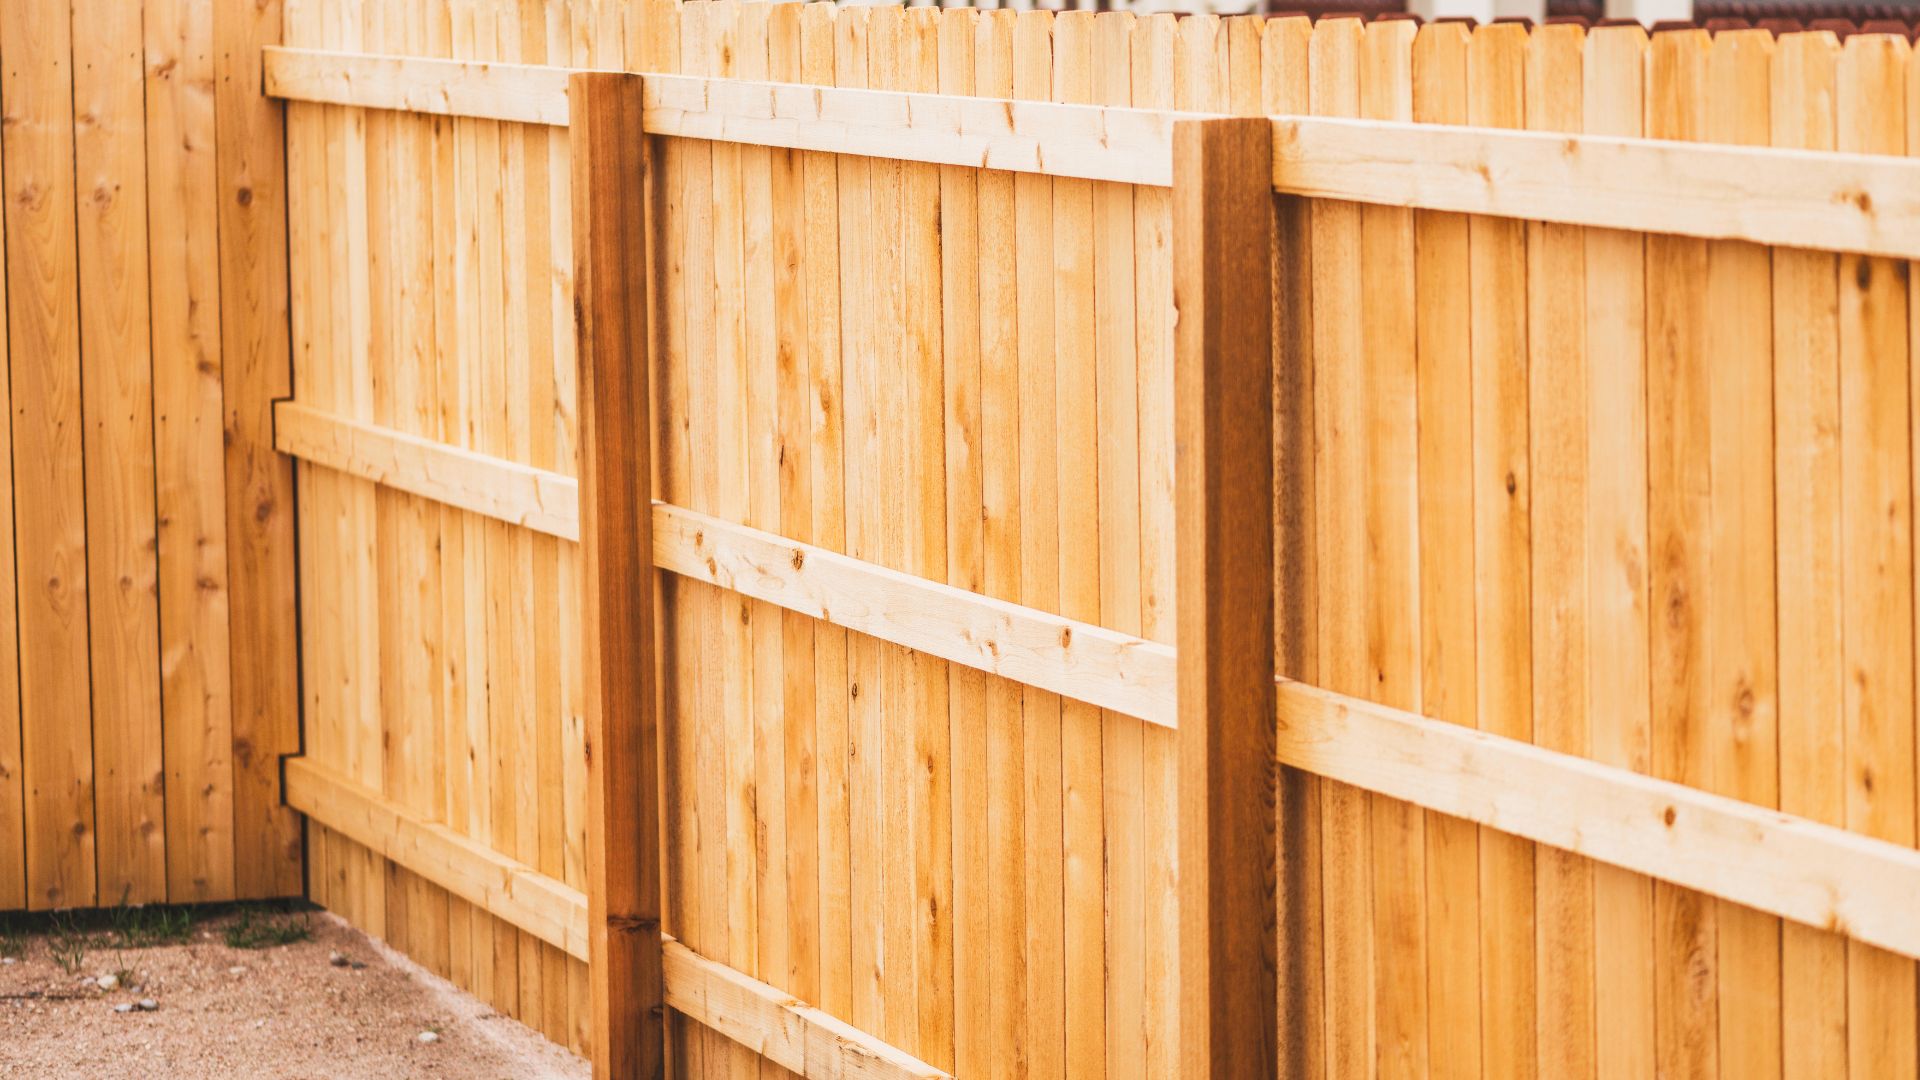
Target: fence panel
(1632,498)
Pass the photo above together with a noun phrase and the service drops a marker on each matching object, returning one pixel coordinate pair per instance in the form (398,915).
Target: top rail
(1129,146)
(1860,203)
(1863,203)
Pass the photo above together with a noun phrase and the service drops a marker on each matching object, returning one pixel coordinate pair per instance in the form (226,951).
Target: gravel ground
(292,1011)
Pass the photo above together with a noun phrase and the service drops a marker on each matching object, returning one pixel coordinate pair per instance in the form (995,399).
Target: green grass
(71,935)
(145,927)
(251,931)
(68,943)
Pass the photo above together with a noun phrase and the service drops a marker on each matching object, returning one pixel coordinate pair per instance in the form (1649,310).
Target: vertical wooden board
(1241,62)
(255,358)
(526,268)
(13,836)
(312,323)
(1392,424)
(966,449)
(1876,545)
(189,492)
(655,45)
(1496,61)
(1443,347)
(1741,630)
(886,506)
(1806,396)
(826,455)
(1223,213)
(1036,327)
(1679,517)
(1153,75)
(589,35)
(50,537)
(1342,404)
(762,416)
(732,687)
(461,341)
(116,379)
(1077,427)
(545,36)
(930,758)
(800,886)
(623,874)
(1001,469)
(357,676)
(707,924)
(424,293)
(329,682)
(1557,409)
(501,588)
(1619,695)
(1117,405)
(860,230)
(384,369)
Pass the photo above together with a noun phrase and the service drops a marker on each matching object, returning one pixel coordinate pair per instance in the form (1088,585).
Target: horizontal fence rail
(1774,862)
(1076,659)
(1778,863)
(539,499)
(788,1032)
(1864,203)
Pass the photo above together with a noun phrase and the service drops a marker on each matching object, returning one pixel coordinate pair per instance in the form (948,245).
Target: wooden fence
(1590,551)
(148,671)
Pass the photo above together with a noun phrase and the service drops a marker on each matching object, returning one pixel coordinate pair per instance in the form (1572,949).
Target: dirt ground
(285,1010)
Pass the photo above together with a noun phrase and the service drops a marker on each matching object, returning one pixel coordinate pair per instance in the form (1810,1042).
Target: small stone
(337,958)
(428,1036)
(236,971)
(87,980)
(7,960)
(123,1007)
(108,982)
(148,1005)
(358,965)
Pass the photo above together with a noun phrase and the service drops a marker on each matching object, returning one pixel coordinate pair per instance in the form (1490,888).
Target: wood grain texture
(190,494)
(1223,229)
(1806,380)
(13,835)
(51,565)
(117,381)
(1443,344)
(609,167)
(1619,697)
(255,361)
(1537,619)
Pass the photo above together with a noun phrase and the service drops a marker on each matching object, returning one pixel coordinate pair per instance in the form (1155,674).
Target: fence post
(608,146)
(1223,236)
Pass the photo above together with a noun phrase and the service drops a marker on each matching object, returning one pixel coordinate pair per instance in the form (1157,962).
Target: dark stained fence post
(608,147)
(1223,235)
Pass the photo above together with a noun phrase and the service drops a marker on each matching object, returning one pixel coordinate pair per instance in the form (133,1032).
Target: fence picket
(1557,410)
(1443,346)
(1876,540)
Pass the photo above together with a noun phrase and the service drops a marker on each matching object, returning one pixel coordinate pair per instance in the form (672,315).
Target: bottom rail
(774,1024)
